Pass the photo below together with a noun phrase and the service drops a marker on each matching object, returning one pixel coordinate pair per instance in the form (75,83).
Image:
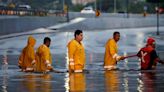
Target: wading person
(148,55)
(76,53)
(111,49)
(43,57)
(27,56)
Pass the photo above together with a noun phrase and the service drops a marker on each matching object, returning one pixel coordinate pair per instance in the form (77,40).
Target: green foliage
(76,8)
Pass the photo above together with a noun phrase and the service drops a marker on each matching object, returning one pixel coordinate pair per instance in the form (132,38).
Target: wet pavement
(127,79)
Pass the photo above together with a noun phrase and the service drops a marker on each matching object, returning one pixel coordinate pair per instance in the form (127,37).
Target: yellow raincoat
(111,57)
(27,57)
(77,82)
(43,59)
(76,54)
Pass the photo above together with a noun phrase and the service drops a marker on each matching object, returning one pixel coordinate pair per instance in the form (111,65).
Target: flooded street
(127,79)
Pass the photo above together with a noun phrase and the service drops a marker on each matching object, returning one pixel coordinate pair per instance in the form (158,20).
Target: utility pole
(115,6)
(63,4)
(67,12)
(127,8)
(100,5)
(95,5)
(157,11)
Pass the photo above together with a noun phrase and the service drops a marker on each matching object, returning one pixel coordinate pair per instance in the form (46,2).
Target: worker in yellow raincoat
(43,57)
(27,56)
(111,49)
(76,53)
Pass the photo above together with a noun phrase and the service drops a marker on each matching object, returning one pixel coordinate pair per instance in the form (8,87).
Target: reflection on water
(37,83)
(29,82)
(147,82)
(111,81)
(66,80)
(4,62)
(4,83)
(77,82)
(126,82)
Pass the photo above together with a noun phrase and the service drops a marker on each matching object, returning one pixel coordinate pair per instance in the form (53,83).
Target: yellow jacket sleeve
(21,58)
(20,62)
(112,48)
(71,50)
(46,55)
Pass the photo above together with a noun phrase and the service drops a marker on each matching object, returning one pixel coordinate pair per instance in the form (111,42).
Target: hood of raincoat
(150,41)
(31,41)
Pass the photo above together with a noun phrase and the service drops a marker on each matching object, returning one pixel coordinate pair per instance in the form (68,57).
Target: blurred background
(33,7)
(136,20)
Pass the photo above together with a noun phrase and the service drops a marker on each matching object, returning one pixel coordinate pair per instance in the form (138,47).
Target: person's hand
(122,58)
(154,67)
(19,66)
(160,61)
(50,68)
(71,65)
(34,65)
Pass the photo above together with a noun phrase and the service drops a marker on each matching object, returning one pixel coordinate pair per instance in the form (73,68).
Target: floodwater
(127,79)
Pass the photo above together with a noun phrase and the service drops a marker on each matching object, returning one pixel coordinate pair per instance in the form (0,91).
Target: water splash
(4,63)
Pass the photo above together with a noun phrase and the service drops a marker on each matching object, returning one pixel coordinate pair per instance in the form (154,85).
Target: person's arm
(113,52)
(156,58)
(46,58)
(139,54)
(31,55)
(71,51)
(160,61)
(21,58)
